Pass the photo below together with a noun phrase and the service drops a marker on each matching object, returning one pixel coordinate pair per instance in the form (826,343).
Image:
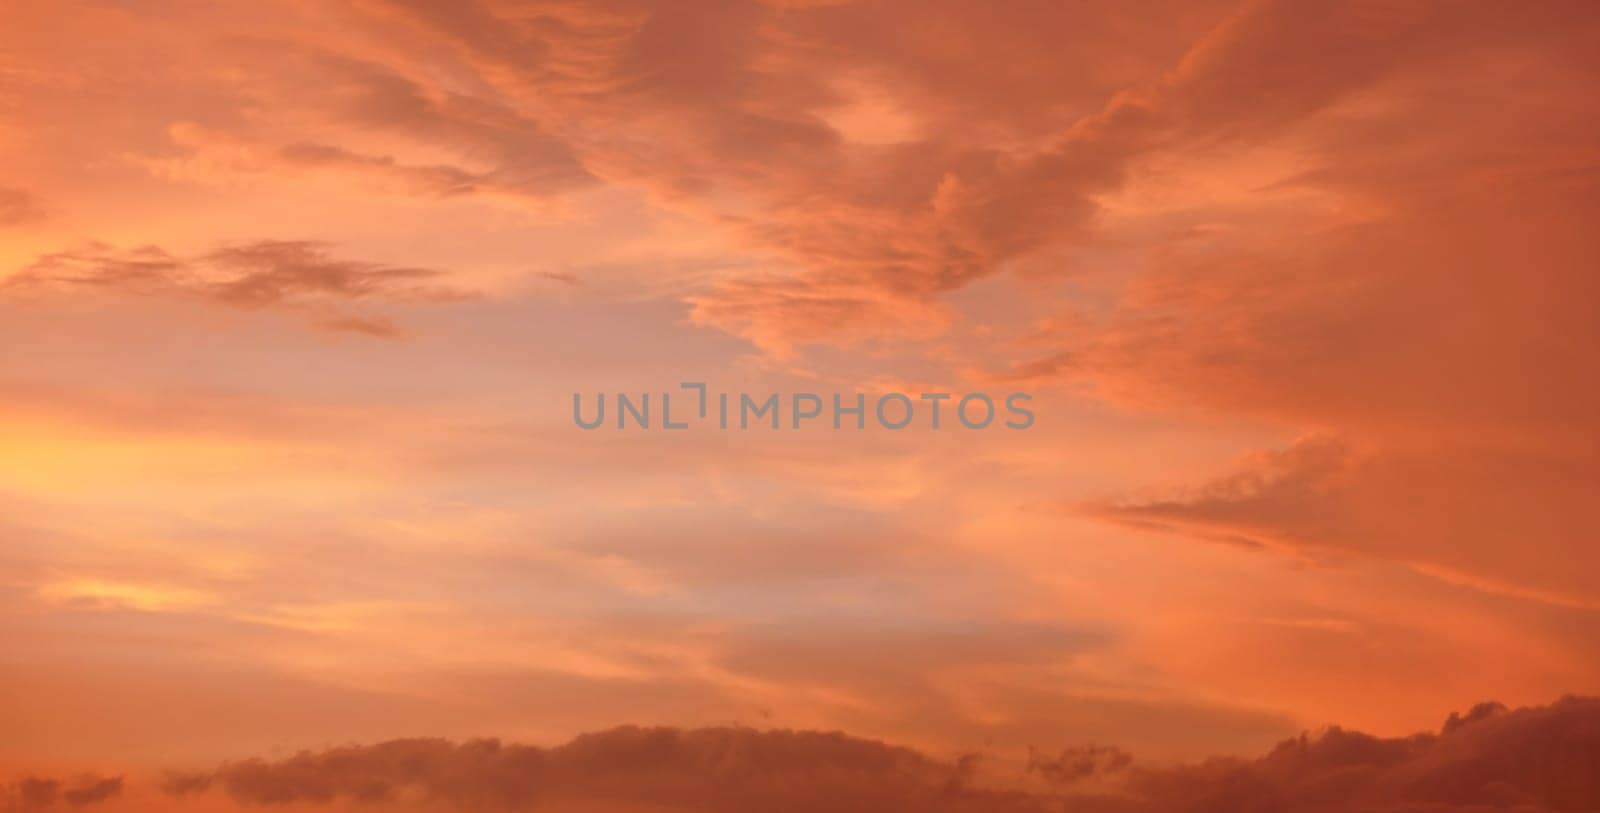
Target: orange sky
(295,296)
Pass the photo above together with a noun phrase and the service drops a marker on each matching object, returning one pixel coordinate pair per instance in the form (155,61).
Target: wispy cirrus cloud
(294,275)
(1419,315)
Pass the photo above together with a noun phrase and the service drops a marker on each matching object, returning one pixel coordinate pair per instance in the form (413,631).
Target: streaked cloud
(288,274)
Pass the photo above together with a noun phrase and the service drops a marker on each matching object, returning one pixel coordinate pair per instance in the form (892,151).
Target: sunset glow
(297,296)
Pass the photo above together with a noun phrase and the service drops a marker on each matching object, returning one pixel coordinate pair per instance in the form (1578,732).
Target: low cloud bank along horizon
(1537,759)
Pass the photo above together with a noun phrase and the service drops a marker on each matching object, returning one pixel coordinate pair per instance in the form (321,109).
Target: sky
(296,296)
